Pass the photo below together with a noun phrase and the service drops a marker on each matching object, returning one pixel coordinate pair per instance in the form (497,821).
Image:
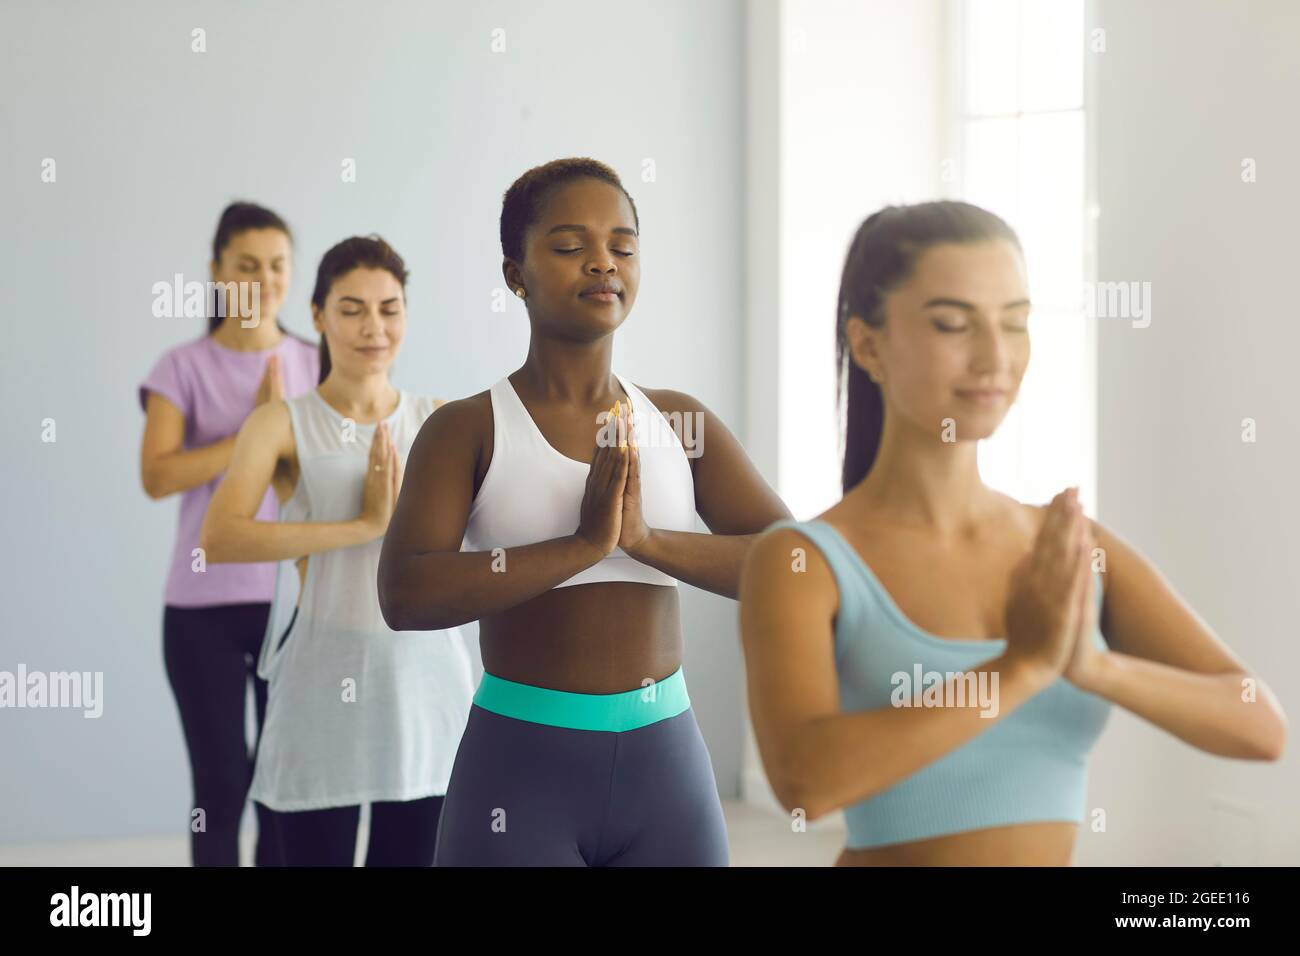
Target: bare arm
(820,758)
(232,533)
(425,581)
(164,467)
(731,497)
(1166,665)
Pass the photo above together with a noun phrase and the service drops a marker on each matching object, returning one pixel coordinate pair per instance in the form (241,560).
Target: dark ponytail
(881,257)
(359,252)
(236,218)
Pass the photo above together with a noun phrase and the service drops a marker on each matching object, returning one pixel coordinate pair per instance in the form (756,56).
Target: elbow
(408,603)
(391,605)
(392,611)
(798,797)
(1271,745)
(1263,737)
(798,790)
(395,607)
(211,544)
(153,485)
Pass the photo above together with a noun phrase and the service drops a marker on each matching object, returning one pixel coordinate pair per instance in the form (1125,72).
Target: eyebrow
(570,227)
(969,307)
(353,298)
(252,258)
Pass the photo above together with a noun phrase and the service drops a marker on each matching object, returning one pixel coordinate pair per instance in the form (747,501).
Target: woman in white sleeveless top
(357,713)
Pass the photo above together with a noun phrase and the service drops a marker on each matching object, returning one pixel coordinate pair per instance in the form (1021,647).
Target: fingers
(1088,591)
(623,465)
(1057,545)
(1073,534)
(1086,543)
(1079,583)
(633,462)
(614,457)
(1047,544)
(273,378)
(381,448)
(624,457)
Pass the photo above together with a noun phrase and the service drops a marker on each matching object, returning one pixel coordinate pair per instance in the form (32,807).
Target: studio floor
(759,837)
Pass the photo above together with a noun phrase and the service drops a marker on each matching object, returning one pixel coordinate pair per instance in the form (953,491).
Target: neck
(232,334)
(574,372)
(922,481)
(364,398)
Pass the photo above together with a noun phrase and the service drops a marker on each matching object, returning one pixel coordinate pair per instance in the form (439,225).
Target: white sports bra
(532,492)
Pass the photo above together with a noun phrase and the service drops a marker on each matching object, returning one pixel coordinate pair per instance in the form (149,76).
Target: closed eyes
(618,252)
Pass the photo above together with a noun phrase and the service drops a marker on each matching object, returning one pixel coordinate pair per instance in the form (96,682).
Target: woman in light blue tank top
(932,656)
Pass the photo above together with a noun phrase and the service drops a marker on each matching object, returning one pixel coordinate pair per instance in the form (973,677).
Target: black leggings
(211,655)
(401,834)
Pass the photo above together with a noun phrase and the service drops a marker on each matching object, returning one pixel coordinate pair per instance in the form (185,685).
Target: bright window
(1017,137)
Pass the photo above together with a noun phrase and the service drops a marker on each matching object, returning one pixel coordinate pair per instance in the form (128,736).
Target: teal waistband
(560,708)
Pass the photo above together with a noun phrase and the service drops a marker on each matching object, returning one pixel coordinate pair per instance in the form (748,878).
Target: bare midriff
(1022,844)
(601,638)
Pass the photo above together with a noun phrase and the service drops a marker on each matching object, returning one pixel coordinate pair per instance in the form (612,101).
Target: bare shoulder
(670,400)
(456,435)
(270,423)
(687,414)
(676,406)
(462,416)
(784,563)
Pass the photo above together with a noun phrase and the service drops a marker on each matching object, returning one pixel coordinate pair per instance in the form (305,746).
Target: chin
(589,327)
(978,427)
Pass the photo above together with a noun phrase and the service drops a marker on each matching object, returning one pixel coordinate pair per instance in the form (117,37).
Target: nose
(601,263)
(992,351)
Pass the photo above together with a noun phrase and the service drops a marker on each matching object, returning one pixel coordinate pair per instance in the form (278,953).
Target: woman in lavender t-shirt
(195,398)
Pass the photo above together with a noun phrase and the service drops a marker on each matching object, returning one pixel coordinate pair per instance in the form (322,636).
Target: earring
(519,292)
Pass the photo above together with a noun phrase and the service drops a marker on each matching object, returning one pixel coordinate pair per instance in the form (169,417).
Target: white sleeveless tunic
(356,712)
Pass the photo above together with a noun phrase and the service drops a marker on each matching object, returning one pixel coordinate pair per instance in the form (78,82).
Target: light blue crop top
(1031,765)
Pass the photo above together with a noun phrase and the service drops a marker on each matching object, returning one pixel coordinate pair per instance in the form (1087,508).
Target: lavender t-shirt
(215,388)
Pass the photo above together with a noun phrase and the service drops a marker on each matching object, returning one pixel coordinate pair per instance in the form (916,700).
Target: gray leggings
(528,794)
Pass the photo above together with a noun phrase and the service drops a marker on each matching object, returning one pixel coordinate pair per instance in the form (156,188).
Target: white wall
(151,140)
(848,97)
(1186,91)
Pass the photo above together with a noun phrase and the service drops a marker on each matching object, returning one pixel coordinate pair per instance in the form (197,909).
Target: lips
(605,291)
(982,394)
